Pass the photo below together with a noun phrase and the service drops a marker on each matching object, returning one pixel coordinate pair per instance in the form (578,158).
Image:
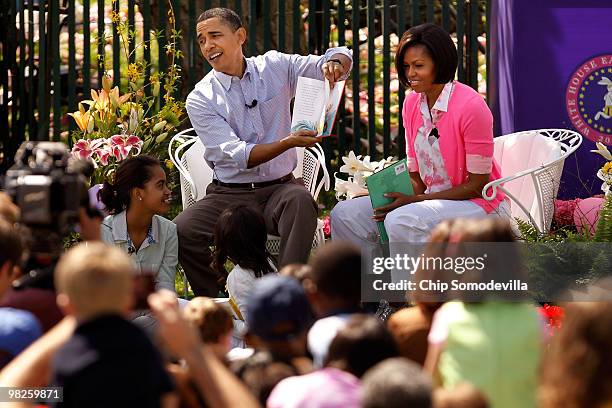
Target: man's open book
(315,106)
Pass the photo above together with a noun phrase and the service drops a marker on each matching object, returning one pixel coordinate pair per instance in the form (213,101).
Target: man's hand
(261,153)
(303,138)
(399,200)
(336,67)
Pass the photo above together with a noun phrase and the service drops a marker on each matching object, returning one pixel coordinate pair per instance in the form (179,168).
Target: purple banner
(551,67)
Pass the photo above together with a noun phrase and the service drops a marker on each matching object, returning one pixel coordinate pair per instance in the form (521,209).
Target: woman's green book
(394,178)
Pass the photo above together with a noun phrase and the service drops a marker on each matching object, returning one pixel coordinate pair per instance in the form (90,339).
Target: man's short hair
(11,247)
(97,278)
(210,318)
(394,383)
(439,46)
(226,15)
(336,271)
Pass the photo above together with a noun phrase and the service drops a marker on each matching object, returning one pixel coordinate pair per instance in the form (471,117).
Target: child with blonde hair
(94,284)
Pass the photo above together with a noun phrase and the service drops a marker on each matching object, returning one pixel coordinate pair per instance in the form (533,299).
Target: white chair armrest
(185,141)
(325,181)
(493,185)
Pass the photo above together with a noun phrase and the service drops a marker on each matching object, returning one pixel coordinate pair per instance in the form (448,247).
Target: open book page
(315,105)
(331,107)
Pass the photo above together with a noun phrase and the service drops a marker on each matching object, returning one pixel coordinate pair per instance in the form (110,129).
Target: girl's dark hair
(131,173)
(240,236)
(11,244)
(361,332)
(440,47)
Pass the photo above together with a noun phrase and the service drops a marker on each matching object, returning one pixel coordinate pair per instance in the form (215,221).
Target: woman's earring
(139,198)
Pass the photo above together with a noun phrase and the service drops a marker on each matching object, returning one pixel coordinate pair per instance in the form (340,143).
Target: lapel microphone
(131,250)
(252,105)
(434,133)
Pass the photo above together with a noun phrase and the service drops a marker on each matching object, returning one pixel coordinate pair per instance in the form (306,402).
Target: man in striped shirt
(241,112)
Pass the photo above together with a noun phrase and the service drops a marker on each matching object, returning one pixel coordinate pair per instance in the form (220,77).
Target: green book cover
(394,178)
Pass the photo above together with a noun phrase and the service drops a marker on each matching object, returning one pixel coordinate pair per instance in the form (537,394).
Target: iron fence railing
(55,51)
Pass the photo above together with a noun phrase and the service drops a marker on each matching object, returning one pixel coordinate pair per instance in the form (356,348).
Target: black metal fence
(55,51)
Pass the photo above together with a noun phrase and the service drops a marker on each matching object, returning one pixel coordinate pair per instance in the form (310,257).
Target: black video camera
(49,186)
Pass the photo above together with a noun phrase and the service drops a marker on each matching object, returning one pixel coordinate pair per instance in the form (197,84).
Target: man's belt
(261,184)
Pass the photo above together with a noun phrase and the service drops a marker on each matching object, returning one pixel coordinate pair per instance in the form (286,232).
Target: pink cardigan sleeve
(411,159)
(477,129)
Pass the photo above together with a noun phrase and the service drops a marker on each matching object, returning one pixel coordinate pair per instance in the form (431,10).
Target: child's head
(279,316)
(240,236)
(482,249)
(11,250)
(300,272)
(139,181)
(361,344)
(336,277)
(577,367)
(213,321)
(464,395)
(394,383)
(261,372)
(93,279)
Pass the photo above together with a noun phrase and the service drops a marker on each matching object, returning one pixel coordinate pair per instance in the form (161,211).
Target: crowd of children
(297,337)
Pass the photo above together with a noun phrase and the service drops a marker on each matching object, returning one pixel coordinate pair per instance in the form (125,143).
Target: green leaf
(603,233)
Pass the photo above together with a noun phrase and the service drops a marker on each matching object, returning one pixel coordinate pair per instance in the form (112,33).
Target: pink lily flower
(103,153)
(85,148)
(327,226)
(121,145)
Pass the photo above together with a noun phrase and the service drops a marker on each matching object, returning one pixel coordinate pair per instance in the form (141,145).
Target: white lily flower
(341,187)
(348,188)
(354,190)
(133,123)
(607,181)
(367,165)
(602,150)
(352,164)
(360,178)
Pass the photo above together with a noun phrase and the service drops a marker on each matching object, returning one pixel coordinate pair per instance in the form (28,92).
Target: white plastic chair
(187,153)
(531,164)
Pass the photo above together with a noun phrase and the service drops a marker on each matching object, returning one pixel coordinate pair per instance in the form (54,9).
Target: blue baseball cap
(18,330)
(278,308)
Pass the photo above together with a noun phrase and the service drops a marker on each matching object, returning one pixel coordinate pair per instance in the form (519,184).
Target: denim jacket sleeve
(167,269)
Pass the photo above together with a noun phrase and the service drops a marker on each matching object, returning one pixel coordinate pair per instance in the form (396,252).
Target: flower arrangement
(113,126)
(358,170)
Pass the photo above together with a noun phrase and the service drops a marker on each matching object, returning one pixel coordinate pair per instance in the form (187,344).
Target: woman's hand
(399,200)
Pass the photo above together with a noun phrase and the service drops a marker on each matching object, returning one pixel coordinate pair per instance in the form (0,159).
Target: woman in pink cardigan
(449,147)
